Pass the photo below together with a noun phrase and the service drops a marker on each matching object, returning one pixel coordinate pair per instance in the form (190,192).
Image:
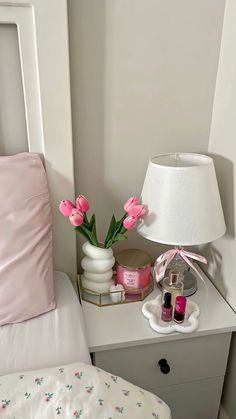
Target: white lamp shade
(183,201)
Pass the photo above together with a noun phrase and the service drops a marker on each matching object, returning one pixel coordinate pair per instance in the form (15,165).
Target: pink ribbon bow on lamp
(165,258)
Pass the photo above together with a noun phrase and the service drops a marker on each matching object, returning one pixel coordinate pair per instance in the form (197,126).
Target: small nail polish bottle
(180,307)
(166,308)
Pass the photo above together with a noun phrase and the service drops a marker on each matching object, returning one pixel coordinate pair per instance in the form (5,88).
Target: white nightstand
(123,343)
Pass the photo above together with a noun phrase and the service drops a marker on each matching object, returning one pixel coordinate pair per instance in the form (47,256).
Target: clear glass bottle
(173,284)
(179,265)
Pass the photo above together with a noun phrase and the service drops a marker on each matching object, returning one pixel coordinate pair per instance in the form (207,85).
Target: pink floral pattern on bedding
(76,391)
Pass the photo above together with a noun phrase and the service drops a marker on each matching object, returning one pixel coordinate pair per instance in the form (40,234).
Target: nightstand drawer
(195,400)
(188,359)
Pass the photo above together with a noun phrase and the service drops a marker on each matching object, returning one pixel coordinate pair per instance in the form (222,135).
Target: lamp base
(190,284)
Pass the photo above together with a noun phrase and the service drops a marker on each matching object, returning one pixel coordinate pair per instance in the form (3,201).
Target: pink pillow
(26,274)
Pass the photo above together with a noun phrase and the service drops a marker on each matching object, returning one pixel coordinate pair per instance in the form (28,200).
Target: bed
(77,391)
(48,340)
(45,370)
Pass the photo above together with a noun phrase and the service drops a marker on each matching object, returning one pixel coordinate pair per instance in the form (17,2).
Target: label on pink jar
(131,279)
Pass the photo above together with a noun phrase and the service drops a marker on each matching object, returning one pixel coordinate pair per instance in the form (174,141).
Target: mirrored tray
(103,299)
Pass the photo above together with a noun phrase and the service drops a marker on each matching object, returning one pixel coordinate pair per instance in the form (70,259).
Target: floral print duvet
(76,391)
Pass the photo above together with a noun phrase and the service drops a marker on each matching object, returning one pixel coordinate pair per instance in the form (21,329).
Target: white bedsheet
(52,339)
(76,391)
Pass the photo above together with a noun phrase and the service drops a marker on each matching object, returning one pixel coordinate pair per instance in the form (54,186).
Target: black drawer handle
(164,366)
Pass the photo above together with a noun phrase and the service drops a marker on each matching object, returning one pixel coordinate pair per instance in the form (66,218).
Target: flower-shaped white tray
(152,310)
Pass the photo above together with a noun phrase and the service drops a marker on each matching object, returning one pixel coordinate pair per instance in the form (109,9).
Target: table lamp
(182,197)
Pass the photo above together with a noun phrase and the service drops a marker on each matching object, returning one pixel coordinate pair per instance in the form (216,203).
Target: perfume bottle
(174,285)
(180,307)
(166,308)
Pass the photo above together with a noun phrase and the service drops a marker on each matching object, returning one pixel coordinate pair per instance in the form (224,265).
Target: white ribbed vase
(97,264)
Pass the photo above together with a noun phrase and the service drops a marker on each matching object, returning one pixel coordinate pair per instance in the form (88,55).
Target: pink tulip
(82,203)
(130,203)
(129,222)
(137,211)
(66,207)
(77,217)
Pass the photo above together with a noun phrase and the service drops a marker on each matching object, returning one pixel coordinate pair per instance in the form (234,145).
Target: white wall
(223,145)
(143,77)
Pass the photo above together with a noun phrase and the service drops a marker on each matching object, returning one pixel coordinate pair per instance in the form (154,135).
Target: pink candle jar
(133,269)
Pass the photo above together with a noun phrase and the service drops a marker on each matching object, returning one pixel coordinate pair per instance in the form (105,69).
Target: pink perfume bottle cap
(180,304)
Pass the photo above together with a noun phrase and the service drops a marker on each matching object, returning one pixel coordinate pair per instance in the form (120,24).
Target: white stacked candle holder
(97,264)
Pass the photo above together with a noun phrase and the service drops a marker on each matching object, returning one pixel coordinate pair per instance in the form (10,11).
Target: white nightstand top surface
(124,325)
